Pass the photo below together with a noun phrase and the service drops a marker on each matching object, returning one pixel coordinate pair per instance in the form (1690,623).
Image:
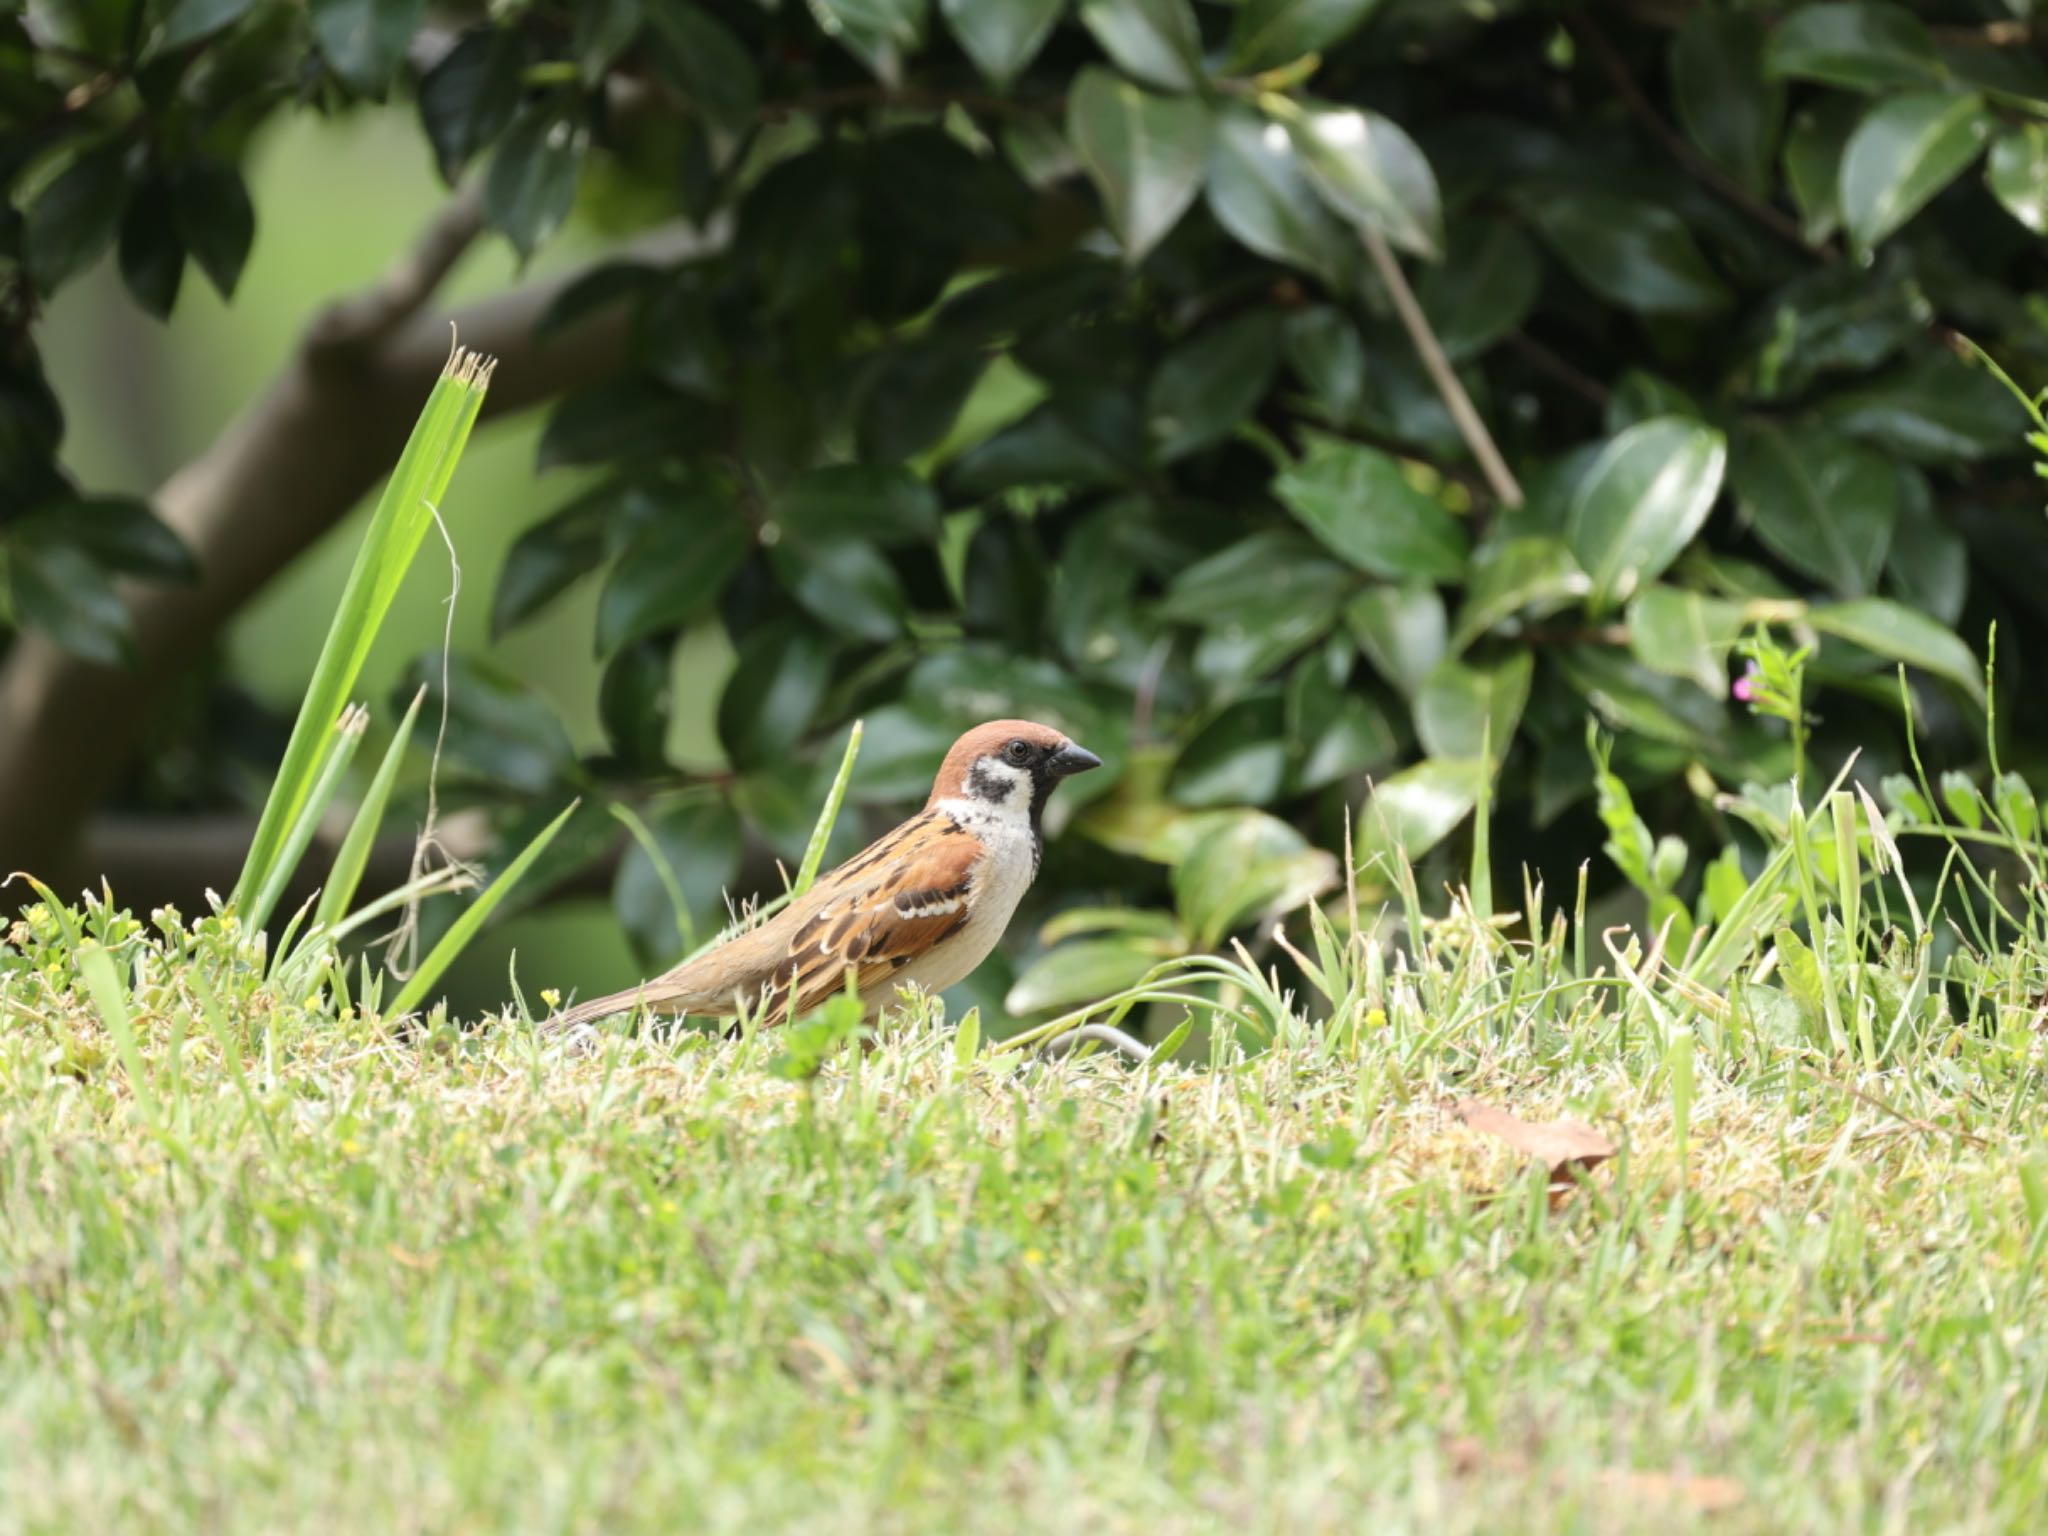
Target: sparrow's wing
(879,911)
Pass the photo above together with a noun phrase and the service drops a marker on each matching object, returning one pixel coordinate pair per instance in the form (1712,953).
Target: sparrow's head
(1010,766)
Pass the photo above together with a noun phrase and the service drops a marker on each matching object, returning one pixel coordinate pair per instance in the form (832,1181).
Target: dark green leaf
(1245,866)
(499,729)
(190,21)
(699,842)
(671,572)
(1904,151)
(119,534)
(1484,288)
(1210,382)
(1003,587)
(915,396)
(678,341)
(1271,569)
(1823,503)
(633,703)
(1082,971)
(532,182)
(1813,162)
(1863,45)
(1238,758)
(1638,396)
(846,584)
(859,501)
(1928,564)
(1459,705)
(1325,351)
(1630,252)
(877,32)
(1899,633)
(364,40)
(546,559)
(1412,811)
(1729,107)
(713,69)
(628,418)
(774,692)
(1684,634)
(1642,501)
(1933,409)
(1360,504)
(1001,36)
(75,218)
(1039,450)
(1155,40)
(1371,172)
(598,289)
(1527,574)
(2019,174)
(1260,192)
(1144,153)
(152,254)
(214,219)
(1268,33)
(470,96)
(1841,318)
(1401,630)
(62,592)
(1629,697)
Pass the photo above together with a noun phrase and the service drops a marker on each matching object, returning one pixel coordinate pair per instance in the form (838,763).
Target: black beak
(1070,760)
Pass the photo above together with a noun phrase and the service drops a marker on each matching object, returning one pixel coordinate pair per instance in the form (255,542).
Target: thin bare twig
(1506,489)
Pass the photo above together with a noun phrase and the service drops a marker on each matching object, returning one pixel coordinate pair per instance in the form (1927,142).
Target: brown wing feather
(875,920)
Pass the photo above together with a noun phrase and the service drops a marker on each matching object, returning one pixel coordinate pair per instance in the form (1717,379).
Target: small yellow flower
(1375,1018)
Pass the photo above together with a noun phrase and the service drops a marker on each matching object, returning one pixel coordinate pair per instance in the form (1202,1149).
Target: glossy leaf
(777,684)
(1410,812)
(1531,574)
(878,32)
(1633,253)
(215,220)
(119,534)
(671,572)
(500,730)
(1001,36)
(1934,409)
(1813,162)
(1684,634)
(192,21)
(75,217)
(1928,564)
(1246,865)
(1730,108)
(1823,503)
(1260,191)
(1357,501)
(1144,153)
(1903,152)
(633,704)
(1642,501)
(845,584)
(151,252)
(1268,33)
(1898,633)
(710,66)
(1210,382)
(1156,41)
(532,180)
(1082,971)
(1862,45)
(1459,704)
(1484,289)
(1401,629)
(2018,174)
(469,97)
(1238,758)
(1629,697)
(1371,172)
(858,501)
(62,592)
(364,40)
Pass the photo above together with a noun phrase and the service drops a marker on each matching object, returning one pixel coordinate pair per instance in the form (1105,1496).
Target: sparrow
(920,906)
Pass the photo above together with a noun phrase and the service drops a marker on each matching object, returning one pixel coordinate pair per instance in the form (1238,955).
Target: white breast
(1000,881)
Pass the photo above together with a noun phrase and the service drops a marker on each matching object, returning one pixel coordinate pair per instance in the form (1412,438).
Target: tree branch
(327,430)
(1506,490)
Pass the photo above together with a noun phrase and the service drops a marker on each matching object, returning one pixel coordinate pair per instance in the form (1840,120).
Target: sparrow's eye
(1018,751)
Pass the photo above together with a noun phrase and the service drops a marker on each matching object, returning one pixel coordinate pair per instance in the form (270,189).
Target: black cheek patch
(984,784)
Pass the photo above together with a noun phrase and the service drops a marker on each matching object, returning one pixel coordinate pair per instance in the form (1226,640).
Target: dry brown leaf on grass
(1562,1146)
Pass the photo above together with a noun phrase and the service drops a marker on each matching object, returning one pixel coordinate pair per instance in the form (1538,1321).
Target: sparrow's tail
(651,995)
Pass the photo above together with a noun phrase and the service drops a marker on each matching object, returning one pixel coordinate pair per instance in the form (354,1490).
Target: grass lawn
(266,1267)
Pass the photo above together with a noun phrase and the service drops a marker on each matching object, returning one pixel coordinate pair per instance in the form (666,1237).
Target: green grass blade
(465,927)
(403,515)
(814,855)
(686,930)
(111,1003)
(341,751)
(350,860)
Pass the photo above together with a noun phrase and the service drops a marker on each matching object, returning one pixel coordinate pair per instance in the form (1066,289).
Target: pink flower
(1745,687)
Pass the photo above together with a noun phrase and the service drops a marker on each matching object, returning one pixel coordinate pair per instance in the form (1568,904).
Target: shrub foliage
(1076,360)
